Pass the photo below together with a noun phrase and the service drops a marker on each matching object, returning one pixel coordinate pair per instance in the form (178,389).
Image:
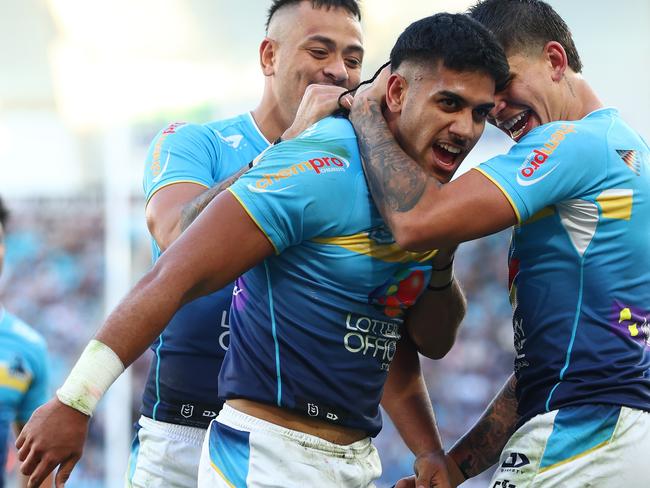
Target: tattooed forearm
(396,181)
(192,210)
(479,449)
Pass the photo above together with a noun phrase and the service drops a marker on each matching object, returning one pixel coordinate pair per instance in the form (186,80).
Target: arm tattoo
(192,210)
(395,180)
(480,447)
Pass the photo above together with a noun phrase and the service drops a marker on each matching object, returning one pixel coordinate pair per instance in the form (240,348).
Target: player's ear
(267,56)
(396,92)
(557,59)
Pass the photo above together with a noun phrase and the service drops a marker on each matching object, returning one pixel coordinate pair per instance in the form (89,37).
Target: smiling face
(307,45)
(533,95)
(438,114)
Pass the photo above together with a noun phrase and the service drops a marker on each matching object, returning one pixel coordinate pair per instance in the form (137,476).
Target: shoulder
(555,143)
(326,148)
(329,128)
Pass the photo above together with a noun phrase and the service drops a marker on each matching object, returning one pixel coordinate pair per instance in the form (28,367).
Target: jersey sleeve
(180,153)
(553,164)
(298,188)
(38,392)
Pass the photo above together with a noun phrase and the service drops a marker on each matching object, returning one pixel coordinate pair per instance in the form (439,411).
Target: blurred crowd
(53,280)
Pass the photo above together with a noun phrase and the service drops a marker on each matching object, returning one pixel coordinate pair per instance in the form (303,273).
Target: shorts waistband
(241,421)
(193,435)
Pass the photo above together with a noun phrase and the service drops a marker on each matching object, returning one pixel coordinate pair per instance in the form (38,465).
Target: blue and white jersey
(23,376)
(182,383)
(579,263)
(315,327)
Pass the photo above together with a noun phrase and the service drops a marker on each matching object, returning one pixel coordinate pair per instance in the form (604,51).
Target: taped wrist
(92,375)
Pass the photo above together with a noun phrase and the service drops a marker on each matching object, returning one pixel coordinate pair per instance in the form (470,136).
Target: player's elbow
(437,349)
(416,234)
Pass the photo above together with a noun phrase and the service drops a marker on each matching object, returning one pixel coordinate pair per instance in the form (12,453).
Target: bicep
(163,211)
(478,207)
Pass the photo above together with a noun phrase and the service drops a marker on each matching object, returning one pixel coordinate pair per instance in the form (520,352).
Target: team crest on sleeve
(536,166)
(234,141)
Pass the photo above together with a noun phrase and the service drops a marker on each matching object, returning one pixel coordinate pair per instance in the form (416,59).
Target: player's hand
(318,102)
(430,472)
(54,436)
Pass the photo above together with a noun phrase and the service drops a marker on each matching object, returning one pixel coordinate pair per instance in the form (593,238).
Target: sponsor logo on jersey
(155,157)
(528,173)
(322,163)
(504,484)
(371,337)
(515,460)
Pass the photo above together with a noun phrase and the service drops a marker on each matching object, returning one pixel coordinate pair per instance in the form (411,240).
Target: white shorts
(600,446)
(242,451)
(164,455)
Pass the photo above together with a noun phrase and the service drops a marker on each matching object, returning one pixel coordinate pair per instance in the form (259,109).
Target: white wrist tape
(95,371)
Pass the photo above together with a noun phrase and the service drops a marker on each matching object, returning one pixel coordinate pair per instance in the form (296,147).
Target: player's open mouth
(446,155)
(517,126)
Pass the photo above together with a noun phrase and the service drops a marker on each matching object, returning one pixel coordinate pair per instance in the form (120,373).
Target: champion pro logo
(531,171)
(323,162)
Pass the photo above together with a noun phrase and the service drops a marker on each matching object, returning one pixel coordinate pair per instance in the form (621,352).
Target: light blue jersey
(23,376)
(182,383)
(314,328)
(579,263)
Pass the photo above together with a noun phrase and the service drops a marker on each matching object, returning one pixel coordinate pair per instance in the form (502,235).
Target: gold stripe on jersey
(361,243)
(616,203)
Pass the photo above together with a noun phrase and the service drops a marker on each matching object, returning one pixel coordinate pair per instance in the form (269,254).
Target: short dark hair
(526,24)
(459,42)
(4,213)
(351,6)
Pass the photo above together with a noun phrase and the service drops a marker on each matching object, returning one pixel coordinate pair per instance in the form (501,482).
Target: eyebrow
(462,101)
(356,48)
(505,84)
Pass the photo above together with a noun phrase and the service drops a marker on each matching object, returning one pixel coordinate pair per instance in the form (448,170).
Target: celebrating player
(318,313)
(310,46)
(576,186)
(23,369)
